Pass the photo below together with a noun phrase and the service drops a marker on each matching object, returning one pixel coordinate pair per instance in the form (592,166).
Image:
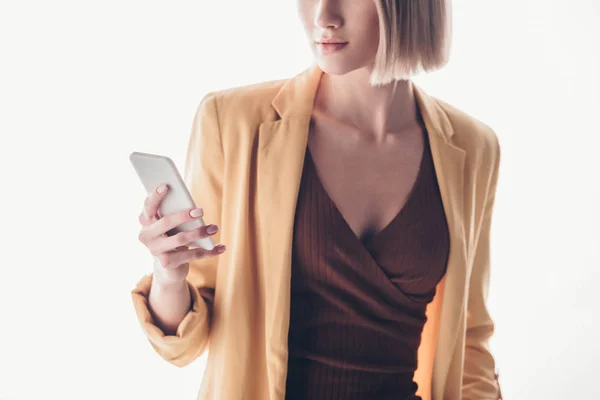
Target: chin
(336,64)
(331,67)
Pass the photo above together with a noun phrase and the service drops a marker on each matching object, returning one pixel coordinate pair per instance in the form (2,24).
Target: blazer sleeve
(479,378)
(203,176)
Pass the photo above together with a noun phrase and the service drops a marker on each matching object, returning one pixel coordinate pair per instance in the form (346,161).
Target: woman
(357,212)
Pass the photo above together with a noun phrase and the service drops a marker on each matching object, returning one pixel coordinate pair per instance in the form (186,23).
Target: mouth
(330,41)
(327,47)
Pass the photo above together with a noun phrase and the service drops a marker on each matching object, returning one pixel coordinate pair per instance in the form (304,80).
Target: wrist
(167,285)
(168,279)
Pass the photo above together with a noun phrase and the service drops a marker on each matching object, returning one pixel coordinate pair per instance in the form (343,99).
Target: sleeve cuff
(192,333)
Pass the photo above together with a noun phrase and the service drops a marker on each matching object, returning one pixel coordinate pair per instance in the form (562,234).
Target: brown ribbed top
(358,309)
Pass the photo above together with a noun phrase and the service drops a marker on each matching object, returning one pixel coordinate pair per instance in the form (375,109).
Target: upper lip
(330,40)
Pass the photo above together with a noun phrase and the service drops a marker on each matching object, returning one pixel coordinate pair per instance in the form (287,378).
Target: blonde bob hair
(414,37)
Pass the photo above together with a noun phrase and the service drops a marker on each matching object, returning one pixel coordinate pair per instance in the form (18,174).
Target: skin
(357,143)
(170,299)
(362,137)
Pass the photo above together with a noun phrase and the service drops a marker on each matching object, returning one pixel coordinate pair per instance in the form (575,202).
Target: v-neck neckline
(365,242)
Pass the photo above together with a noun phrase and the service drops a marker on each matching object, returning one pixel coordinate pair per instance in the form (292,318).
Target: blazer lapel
(281,148)
(449,161)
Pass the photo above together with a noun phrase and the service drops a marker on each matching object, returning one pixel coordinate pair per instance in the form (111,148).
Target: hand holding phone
(171,221)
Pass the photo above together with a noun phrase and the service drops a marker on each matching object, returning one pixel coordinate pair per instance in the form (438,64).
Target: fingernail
(221,248)
(196,212)
(212,228)
(162,188)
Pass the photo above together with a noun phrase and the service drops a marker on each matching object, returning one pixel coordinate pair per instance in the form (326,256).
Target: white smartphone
(155,169)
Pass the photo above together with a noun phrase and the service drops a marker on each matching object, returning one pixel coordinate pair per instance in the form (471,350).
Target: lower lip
(327,48)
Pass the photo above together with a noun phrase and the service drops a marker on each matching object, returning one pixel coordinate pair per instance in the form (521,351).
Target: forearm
(177,323)
(169,304)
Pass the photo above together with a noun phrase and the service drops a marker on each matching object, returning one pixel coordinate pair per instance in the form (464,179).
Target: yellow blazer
(243,166)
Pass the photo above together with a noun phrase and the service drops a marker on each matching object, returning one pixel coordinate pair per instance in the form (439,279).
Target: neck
(374,110)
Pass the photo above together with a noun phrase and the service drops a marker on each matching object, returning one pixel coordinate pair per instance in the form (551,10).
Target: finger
(159,228)
(174,259)
(171,221)
(150,211)
(165,244)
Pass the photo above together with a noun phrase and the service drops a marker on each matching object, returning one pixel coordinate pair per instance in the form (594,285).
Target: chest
(369,182)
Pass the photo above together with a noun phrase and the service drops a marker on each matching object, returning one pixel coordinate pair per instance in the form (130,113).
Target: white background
(82,84)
